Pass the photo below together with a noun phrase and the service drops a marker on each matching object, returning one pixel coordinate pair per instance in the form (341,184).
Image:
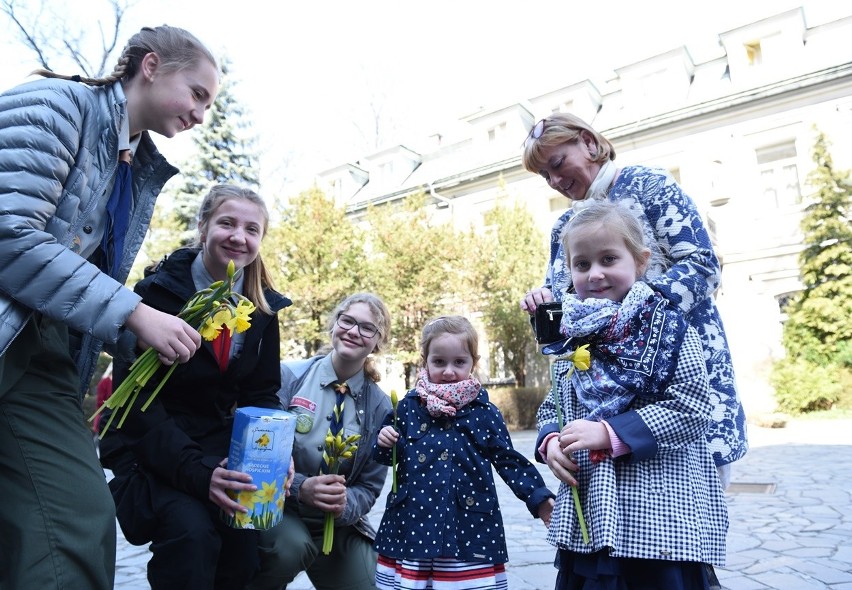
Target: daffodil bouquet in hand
(336,448)
(209,311)
(581,360)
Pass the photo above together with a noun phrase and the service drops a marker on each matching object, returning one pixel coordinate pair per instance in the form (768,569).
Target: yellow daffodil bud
(582,358)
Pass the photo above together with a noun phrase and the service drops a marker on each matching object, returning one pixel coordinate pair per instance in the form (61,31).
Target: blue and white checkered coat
(673,225)
(663,500)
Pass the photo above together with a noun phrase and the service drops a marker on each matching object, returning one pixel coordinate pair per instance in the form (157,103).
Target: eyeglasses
(366,329)
(535,133)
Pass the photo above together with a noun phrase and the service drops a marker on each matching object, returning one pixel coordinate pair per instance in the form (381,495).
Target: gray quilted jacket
(58,158)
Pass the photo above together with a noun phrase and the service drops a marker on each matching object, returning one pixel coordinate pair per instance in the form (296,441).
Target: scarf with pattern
(444,399)
(633,343)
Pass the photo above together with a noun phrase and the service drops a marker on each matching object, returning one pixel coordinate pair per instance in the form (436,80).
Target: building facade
(735,130)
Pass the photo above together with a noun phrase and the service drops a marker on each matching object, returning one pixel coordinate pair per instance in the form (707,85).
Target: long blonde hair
(177,49)
(256,275)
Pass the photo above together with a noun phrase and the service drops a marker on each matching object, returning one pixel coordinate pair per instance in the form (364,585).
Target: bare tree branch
(119,7)
(50,40)
(8,7)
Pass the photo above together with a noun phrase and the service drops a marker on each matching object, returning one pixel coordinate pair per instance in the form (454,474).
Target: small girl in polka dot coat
(442,528)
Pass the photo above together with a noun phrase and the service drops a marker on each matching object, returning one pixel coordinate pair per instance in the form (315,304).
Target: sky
(311,73)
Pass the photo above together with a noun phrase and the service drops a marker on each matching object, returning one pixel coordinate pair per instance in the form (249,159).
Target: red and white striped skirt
(439,574)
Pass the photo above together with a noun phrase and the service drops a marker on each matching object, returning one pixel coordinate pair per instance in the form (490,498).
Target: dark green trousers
(57,516)
(295,545)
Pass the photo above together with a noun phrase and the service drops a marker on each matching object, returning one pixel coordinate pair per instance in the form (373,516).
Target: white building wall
(726,111)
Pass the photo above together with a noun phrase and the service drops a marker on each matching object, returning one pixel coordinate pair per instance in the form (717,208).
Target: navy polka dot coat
(446,505)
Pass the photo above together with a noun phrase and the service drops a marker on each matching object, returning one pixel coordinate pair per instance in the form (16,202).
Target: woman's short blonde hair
(557,129)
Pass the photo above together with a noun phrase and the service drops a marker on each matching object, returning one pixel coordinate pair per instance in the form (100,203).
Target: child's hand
(388,437)
(584,434)
(560,463)
(545,509)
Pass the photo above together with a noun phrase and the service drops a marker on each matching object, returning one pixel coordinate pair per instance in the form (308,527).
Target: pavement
(790,510)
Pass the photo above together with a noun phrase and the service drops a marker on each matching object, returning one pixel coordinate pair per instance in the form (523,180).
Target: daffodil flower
(209,311)
(242,319)
(580,359)
(266,495)
(336,448)
(243,520)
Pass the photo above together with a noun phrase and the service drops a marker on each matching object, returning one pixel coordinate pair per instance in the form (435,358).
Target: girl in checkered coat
(633,441)
(442,527)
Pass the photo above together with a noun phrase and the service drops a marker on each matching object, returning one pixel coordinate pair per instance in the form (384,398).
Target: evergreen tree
(224,154)
(819,325)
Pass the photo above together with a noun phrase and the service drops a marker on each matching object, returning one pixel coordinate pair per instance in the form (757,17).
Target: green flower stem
(394,401)
(328,533)
(196,312)
(559,421)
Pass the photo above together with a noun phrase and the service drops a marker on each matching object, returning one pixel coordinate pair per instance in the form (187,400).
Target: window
(385,171)
(497,132)
(784,300)
(336,189)
(754,54)
(565,107)
(779,175)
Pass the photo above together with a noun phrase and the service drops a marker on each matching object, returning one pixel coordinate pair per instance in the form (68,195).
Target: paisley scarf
(444,399)
(633,343)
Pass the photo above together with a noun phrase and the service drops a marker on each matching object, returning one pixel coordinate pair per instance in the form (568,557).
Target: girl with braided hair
(79,176)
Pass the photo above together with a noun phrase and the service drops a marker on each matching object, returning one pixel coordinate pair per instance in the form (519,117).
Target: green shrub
(802,387)
(517,404)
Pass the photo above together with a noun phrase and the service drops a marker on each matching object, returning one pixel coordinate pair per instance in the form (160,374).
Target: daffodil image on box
(261,446)
(264,506)
(209,311)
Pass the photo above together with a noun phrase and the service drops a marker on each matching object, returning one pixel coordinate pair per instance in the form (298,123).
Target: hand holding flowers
(210,311)
(336,448)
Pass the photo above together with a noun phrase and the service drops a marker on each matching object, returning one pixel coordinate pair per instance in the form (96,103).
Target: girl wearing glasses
(578,162)
(359,327)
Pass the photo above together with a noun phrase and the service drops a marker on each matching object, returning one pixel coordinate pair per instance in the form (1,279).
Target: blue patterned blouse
(686,273)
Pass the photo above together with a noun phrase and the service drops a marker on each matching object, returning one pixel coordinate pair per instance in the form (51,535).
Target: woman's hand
(326,492)
(224,479)
(174,339)
(561,464)
(535,297)
(584,434)
(388,437)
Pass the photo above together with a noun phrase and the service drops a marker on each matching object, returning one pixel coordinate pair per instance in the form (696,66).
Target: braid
(176,48)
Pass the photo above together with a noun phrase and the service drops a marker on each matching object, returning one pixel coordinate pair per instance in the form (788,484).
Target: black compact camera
(546,321)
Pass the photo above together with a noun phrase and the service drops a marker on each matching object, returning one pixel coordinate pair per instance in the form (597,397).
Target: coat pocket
(475,501)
